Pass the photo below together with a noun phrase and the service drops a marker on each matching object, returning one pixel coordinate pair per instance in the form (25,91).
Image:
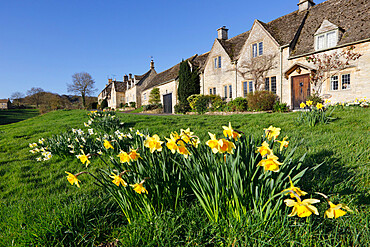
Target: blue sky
(44,42)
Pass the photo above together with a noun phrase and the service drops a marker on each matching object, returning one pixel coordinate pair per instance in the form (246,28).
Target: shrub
(182,107)
(217,104)
(104,104)
(154,96)
(261,100)
(315,98)
(201,104)
(238,104)
(192,99)
(152,107)
(280,107)
(133,104)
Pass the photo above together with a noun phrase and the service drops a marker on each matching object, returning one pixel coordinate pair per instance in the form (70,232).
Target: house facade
(4,104)
(273,56)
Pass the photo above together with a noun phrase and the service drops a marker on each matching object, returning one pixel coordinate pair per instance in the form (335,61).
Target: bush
(94,105)
(315,98)
(261,100)
(280,107)
(104,104)
(217,104)
(133,104)
(202,103)
(154,96)
(182,107)
(238,104)
(192,99)
(152,107)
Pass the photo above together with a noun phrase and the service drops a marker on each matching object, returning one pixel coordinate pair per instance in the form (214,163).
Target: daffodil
(309,102)
(153,143)
(139,133)
(302,208)
(229,132)
(271,163)
(32,145)
(183,150)
(83,158)
(134,155)
(73,179)
(334,211)
(213,143)
(226,146)
(302,105)
(123,157)
(117,180)
(107,144)
(283,143)
(264,149)
(296,190)
(139,188)
(272,132)
(172,142)
(319,106)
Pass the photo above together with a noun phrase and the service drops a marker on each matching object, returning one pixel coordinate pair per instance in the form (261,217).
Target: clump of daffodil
(134,155)
(72,179)
(123,157)
(319,106)
(172,142)
(183,150)
(302,208)
(108,145)
(272,132)
(309,102)
(293,191)
(302,105)
(139,188)
(117,179)
(226,146)
(153,143)
(213,143)
(230,132)
(284,143)
(334,211)
(84,158)
(271,163)
(188,137)
(264,149)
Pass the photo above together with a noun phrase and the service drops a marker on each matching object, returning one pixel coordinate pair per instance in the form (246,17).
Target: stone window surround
(270,82)
(257,44)
(340,83)
(325,34)
(212,91)
(227,91)
(217,62)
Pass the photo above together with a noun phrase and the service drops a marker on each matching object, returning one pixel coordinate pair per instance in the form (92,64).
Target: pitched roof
(234,45)
(107,89)
(4,100)
(200,60)
(165,76)
(120,86)
(143,77)
(351,16)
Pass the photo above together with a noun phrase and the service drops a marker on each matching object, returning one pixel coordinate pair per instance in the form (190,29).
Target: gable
(217,50)
(326,26)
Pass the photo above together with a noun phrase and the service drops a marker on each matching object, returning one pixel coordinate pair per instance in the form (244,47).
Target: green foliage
(152,107)
(313,116)
(315,98)
(182,107)
(132,104)
(280,107)
(238,104)
(217,104)
(189,82)
(199,102)
(261,100)
(154,96)
(104,104)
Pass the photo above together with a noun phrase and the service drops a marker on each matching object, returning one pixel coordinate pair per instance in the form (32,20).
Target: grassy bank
(16,115)
(39,207)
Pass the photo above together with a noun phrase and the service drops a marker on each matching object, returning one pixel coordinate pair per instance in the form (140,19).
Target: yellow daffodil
(73,179)
(296,190)
(171,143)
(264,149)
(302,208)
(302,105)
(309,102)
(107,144)
(139,188)
(334,211)
(270,163)
(213,143)
(272,132)
(139,133)
(226,146)
(283,143)
(153,143)
(319,106)
(123,157)
(83,158)
(32,145)
(183,150)
(229,132)
(134,155)
(117,180)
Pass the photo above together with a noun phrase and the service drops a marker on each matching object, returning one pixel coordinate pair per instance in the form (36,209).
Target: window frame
(251,89)
(347,83)
(273,82)
(254,50)
(267,83)
(332,81)
(325,37)
(245,88)
(260,48)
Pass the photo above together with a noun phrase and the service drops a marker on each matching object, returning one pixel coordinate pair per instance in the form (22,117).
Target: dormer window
(326,36)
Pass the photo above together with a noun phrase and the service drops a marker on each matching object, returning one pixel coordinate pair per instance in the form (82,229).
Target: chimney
(130,76)
(222,33)
(109,81)
(125,78)
(305,5)
(152,64)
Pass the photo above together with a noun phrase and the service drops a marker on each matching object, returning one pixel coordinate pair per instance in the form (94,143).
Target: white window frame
(348,83)
(332,81)
(325,37)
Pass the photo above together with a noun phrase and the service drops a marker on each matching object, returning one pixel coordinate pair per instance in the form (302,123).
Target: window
(214,91)
(216,63)
(273,84)
(225,88)
(326,40)
(260,48)
(245,88)
(267,84)
(230,91)
(251,86)
(210,91)
(254,50)
(334,84)
(144,96)
(346,81)
(219,61)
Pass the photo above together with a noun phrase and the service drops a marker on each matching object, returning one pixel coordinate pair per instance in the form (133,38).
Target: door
(167,103)
(300,89)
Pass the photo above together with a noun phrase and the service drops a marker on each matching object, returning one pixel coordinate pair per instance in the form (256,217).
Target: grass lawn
(16,115)
(39,207)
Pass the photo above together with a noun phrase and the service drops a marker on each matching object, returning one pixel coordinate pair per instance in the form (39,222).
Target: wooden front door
(300,89)
(167,103)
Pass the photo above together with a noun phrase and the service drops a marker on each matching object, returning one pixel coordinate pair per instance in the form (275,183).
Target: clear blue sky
(44,42)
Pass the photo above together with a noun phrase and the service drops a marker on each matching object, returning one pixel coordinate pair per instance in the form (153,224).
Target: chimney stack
(152,64)
(305,5)
(130,76)
(125,78)
(222,33)
(110,80)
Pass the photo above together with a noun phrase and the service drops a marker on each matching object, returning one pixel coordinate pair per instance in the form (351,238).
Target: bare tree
(83,84)
(17,97)
(257,69)
(327,64)
(35,95)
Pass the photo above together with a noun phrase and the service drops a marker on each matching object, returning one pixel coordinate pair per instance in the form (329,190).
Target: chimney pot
(109,80)
(130,76)
(125,78)
(152,64)
(305,5)
(222,33)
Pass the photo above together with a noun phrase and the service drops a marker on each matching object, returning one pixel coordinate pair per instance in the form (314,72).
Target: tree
(189,82)
(83,84)
(154,96)
(257,69)
(17,97)
(35,95)
(327,64)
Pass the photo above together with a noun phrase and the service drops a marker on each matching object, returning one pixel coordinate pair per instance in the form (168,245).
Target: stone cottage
(4,104)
